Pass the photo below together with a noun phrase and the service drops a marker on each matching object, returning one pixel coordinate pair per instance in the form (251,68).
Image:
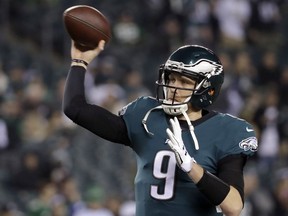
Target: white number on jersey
(168,175)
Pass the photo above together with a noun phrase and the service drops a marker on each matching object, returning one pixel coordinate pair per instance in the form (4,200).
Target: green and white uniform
(161,187)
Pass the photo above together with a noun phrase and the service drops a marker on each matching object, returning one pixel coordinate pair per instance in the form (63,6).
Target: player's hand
(175,141)
(87,55)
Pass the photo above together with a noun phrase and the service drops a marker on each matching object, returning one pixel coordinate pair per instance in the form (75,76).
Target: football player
(189,159)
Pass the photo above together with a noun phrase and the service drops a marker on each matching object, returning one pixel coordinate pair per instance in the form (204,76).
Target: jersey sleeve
(241,137)
(134,112)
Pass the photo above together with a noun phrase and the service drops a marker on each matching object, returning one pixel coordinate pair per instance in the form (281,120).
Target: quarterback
(190,159)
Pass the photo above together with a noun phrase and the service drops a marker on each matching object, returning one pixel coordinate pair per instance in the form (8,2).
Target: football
(86,26)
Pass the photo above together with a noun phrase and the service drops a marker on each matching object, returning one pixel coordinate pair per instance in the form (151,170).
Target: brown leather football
(86,26)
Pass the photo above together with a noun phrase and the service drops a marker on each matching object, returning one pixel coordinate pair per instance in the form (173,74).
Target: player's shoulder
(143,103)
(231,121)
(240,130)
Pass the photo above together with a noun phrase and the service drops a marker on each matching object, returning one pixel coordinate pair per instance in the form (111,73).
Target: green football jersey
(161,188)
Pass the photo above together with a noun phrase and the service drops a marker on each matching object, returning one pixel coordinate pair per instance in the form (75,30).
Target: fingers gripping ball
(86,26)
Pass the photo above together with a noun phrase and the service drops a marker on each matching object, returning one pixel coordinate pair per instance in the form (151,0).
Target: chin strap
(191,127)
(144,121)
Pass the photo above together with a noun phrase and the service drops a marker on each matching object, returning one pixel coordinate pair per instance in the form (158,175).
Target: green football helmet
(197,63)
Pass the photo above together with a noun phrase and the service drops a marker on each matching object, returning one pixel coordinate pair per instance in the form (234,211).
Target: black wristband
(213,188)
(80,61)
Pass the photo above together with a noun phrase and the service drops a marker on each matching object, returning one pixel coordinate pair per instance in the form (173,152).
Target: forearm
(232,205)
(217,191)
(74,89)
(196,173)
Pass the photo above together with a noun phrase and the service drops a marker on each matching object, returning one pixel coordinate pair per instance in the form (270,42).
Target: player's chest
(153,148)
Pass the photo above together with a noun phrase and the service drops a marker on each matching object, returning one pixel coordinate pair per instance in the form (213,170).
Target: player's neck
(193,115)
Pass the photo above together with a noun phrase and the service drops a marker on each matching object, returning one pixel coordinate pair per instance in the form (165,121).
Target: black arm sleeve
(230,170)
(92,117)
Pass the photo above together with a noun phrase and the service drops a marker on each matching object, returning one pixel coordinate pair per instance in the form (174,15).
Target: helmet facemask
(170,105)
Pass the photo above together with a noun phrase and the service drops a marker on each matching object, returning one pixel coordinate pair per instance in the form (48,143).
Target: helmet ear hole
(211,92)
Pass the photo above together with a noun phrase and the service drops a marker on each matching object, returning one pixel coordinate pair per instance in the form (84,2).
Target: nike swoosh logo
(249,130)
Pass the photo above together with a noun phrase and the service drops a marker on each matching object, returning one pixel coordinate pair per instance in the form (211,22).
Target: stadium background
(42,153)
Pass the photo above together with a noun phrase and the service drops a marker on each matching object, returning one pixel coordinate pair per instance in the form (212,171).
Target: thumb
(101,45)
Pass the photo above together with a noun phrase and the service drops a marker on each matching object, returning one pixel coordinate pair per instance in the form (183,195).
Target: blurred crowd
(49,166)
